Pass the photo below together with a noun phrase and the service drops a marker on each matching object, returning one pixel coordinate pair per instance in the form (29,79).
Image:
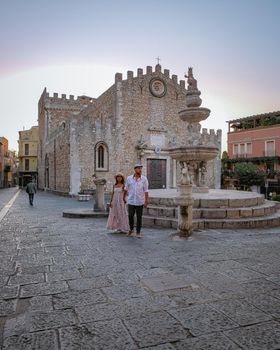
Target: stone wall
(54,129)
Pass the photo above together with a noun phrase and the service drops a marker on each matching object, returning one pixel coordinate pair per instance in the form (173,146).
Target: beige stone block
(201,225)
(196,214)
(258,211)
(235,203)
(214,203)
(236,224)
(252,202)
(152,211)
(233,214)
(262,223)
(148,222)
(163,223)
(213,224)
(275,222)
(214,214)
(245,212)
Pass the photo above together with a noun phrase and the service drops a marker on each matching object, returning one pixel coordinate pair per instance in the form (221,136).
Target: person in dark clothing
(31,190)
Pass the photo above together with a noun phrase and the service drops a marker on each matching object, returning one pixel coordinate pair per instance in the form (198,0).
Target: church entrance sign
(156,173)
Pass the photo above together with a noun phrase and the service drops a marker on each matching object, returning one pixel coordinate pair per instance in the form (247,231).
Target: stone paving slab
(33,341)
(263,336)
(63,276)
(109,335)
(123,309)
(241,312)
(7,307)
(43,289)
(71,284)
(154,328)
(166,346)
(9,292)
(89,283)
(78,298)
(38,303)
(117,293)
(216,341)
(266,303)
(22,279)
(38,321)
(164,282)
(202,319)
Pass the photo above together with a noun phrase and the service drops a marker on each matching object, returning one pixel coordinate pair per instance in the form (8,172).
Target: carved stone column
(185,216)
(99,195)
(185,202)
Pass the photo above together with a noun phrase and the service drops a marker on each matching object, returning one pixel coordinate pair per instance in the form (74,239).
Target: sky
(76,47)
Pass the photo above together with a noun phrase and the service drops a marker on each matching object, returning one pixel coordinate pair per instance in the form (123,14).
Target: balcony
(241,155)
(269,153)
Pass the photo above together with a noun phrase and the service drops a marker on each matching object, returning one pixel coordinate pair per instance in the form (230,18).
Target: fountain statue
(192,156)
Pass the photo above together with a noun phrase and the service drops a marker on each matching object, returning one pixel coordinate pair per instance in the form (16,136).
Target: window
(26,149)
(26,164)
(235,149)
(249,147)
(101,157)
(269,148)
(100,162)
(242,148)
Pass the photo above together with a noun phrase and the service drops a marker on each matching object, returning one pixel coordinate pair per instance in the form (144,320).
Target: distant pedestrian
(118,219)
(137,188)
(31,190)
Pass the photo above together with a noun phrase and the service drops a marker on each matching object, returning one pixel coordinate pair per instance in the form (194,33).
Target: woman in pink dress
(118,217)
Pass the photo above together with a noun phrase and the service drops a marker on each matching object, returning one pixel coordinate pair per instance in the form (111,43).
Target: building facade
(256,139)
(135,120)
(1,164)
(8,165)
(28,155)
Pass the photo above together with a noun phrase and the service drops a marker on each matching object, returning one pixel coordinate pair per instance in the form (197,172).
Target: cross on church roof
(158,59)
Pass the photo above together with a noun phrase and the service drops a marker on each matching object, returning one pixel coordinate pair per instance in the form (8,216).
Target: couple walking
(134,192)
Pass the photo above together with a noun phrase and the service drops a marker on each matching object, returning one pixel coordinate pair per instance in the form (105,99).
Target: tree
(248,174)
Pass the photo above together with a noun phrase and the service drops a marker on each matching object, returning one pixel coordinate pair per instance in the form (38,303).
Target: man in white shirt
(137,188)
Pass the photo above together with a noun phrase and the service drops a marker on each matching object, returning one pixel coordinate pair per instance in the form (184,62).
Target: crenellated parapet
(141,77)
(55,97)
(210,137)
(56,101)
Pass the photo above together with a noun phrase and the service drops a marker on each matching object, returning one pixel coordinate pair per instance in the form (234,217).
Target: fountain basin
(196,153)
(194,114)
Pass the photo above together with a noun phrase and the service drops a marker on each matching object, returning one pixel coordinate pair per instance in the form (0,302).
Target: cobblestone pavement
(69,284)
(6,194)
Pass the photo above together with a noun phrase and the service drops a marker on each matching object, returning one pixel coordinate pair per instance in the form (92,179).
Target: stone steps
(200,202)
(263,221)
(216,209)
(264,209)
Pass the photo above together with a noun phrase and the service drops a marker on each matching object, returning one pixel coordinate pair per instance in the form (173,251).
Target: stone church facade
(135,120)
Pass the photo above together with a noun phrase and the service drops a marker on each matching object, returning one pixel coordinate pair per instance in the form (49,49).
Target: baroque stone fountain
(192,156)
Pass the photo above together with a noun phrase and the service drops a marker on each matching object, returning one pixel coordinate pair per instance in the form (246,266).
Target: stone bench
(84,197)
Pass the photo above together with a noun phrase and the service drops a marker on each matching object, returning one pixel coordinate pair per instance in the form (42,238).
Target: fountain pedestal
(185,208)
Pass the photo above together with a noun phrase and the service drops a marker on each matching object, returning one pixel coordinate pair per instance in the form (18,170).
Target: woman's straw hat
(119,174)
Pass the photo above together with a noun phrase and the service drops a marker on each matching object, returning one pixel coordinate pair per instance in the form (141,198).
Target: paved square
(69,284)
